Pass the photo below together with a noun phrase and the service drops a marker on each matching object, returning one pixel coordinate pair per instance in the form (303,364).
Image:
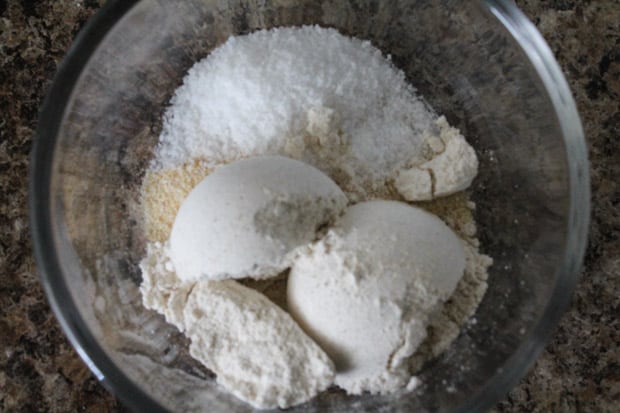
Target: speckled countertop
(578,372)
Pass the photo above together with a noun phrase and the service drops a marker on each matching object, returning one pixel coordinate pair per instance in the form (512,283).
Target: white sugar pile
(256,93)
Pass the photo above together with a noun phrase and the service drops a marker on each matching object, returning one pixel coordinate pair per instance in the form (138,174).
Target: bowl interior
(458,55)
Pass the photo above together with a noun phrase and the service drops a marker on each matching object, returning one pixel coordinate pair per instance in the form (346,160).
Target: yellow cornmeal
(163,193)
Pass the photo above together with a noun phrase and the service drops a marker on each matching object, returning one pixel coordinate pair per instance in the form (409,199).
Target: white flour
(253,215)
(256,349)
(366,291)
(451,169)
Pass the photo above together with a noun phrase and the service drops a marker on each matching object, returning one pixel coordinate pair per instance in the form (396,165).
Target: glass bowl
(481,63)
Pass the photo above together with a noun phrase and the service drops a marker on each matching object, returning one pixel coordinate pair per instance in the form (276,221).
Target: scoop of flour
(366,290)
(247,218)
(451,169)
(257,351)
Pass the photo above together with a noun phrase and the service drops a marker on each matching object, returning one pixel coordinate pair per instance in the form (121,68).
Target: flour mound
(257,351)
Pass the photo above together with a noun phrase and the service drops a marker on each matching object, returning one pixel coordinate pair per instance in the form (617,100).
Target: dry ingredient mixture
(232,140)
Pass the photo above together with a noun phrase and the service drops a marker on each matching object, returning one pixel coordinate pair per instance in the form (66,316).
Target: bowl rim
(131,394)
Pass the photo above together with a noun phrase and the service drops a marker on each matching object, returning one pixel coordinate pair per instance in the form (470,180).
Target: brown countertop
(578,371)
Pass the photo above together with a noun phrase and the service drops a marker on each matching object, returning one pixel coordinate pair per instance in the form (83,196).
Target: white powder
(451,169)
(252,214)
(256,349)
(255,92)
(366,291)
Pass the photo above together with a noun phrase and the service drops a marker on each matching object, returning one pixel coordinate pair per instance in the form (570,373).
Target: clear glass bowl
(482,63)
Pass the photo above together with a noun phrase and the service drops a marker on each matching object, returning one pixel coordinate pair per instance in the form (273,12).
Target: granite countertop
(580,368)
